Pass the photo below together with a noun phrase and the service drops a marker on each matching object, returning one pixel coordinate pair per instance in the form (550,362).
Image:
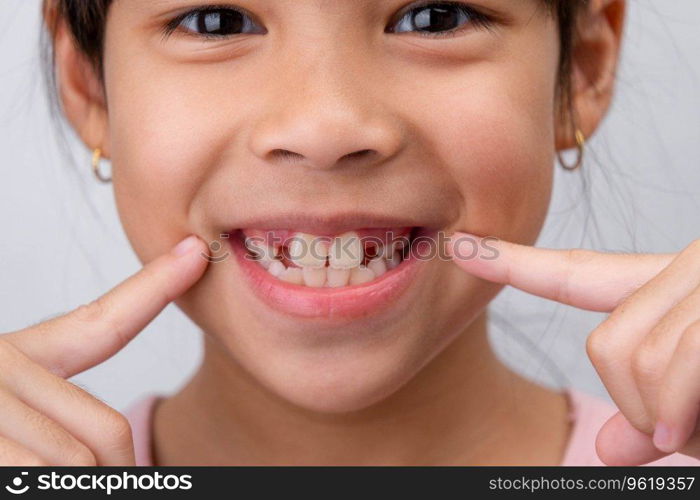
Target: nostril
(285,154)
(359,154)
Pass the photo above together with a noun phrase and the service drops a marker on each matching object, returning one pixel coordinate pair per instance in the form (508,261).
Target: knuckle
(691,337)
(117,431)
(594,348)
(80,455)
(599,348)
(645,362)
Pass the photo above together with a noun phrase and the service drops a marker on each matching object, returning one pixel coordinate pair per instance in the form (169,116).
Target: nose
(324,119)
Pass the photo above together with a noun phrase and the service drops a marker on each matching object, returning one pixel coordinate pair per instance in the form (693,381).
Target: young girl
(317,153)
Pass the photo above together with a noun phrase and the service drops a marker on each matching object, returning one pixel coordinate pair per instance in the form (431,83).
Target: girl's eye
(441,19)
(434,19)
(213,22)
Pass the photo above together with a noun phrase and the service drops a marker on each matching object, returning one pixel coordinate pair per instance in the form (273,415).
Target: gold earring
(96,156)
(580,146)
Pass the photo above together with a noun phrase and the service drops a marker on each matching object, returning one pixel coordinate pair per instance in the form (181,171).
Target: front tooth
(307,250)
(360,275)
(276,268)
(346,251)
(292,275)
(378,266)
(314,277)
(337,277)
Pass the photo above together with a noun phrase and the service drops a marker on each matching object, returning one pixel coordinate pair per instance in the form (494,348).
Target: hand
(46,420)
(647,351)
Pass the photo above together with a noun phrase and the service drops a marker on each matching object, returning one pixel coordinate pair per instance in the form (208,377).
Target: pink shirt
(587,415)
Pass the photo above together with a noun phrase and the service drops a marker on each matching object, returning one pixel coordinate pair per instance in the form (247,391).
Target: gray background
(62,244)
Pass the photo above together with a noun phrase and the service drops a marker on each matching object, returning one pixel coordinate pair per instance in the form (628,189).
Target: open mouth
(329,261)
(337,276)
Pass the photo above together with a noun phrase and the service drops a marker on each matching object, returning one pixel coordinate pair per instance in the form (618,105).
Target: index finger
(587,279)
(92,333)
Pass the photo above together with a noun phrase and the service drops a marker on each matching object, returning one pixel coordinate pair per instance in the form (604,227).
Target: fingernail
(663,437)
(185,246)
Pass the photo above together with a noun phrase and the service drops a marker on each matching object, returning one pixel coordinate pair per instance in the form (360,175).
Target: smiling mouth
(336,275)
(352,258)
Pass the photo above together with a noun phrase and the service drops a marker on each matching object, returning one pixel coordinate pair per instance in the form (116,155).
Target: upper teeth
(307,250)
(346,251)
(344,254)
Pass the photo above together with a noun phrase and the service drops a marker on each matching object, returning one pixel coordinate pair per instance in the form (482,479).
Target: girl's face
(448,132)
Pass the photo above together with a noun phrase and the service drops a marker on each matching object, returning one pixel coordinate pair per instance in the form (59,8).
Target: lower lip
(349,302)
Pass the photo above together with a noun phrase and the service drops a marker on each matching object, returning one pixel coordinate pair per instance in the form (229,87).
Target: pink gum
(282,237)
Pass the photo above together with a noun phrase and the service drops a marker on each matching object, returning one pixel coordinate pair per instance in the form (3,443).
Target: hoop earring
(580,146)
(96,156)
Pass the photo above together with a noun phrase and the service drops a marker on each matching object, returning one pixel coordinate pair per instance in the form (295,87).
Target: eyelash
(172,25)
(476,18)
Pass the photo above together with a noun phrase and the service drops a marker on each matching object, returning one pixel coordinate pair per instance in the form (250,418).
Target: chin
(338,386)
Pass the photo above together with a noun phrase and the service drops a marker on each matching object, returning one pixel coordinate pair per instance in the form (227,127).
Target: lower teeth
(329,277)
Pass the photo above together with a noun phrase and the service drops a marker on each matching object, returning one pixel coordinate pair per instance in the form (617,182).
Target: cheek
(497,138)
(160,158)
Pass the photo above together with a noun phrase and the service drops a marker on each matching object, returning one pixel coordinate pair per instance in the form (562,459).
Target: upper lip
(329,224)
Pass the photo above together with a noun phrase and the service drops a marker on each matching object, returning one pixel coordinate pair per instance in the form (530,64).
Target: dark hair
(87,19)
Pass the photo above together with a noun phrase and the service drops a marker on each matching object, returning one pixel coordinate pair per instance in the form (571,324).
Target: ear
(79,88)
(594,63)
